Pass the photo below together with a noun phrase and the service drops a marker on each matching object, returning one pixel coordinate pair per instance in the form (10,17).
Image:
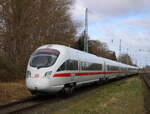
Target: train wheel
(33,92)
(106,80)
(99,82)
(68,90)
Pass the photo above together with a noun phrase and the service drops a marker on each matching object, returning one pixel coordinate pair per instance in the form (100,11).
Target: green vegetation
(121,97)
(10,71)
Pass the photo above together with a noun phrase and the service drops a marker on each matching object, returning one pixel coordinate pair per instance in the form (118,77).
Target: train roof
(85,55)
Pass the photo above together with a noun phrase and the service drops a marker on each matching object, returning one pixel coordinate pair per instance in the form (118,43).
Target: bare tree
(96,47)
(125,58)
(31,23)
(101,49)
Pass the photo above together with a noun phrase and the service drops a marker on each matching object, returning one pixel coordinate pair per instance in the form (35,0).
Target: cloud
(143,23)
(114,7)
(131,37)
(78,8)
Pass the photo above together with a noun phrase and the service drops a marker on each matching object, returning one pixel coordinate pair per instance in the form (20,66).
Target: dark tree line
(125,58)
(146,69)
(97,48)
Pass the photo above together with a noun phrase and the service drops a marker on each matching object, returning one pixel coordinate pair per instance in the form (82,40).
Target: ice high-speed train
(52,68)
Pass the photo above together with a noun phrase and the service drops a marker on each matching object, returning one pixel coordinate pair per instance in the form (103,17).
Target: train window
(108,68)
(47,51)
(95,66)
(112,68)
(91,66)
(83,65)
(62,67)
(44,58)
(72,65)
(69,65)
(122,69)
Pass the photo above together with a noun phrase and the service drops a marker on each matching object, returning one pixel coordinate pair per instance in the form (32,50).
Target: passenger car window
(69,65)
(91,66)
(112,68)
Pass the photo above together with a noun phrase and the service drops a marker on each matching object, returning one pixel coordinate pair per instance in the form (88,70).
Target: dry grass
(12,85)
(12,91)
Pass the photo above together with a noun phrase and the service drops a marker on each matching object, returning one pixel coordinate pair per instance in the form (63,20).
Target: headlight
(48,74)
(28,74)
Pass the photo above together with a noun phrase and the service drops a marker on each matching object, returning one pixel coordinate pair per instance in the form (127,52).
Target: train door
(74,67)
(79,70)
(105,70)
(73,77)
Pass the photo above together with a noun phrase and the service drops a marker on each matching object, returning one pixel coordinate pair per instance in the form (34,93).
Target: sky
(113,20)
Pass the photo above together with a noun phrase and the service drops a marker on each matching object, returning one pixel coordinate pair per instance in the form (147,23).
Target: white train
(53,68)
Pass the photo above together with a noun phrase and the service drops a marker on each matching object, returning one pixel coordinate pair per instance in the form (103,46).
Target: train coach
(53,68)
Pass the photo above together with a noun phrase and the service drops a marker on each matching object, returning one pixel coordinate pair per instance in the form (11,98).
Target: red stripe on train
(95,73)
(83,74)
(62,75)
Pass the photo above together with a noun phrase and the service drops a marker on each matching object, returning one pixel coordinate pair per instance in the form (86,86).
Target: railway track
(23,104)
(146,78)
(34,103)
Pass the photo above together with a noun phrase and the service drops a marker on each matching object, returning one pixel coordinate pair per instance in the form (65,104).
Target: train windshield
(44,58)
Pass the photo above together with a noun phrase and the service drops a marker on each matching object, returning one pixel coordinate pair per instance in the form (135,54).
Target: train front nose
(40,68)
(38,80)
(44,83)
(37,84)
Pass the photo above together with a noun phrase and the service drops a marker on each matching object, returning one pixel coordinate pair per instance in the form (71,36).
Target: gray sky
(112,20)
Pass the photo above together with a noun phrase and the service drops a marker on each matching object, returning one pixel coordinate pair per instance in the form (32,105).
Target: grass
(121,97)
(12,91)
